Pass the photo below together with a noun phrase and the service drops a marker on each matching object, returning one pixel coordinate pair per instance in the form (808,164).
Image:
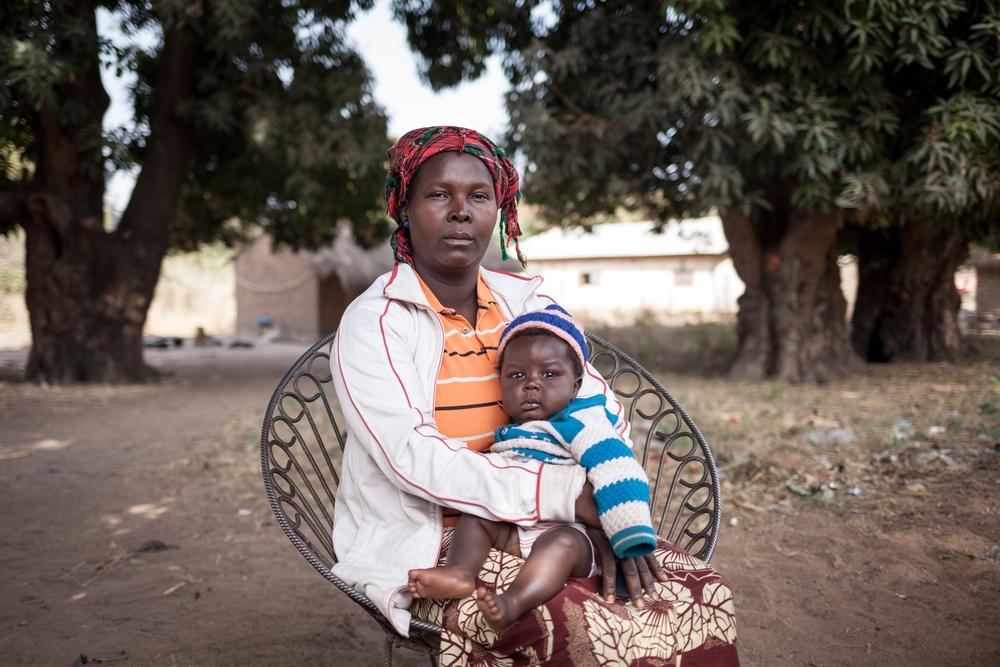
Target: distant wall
(849,281)
(282,285)
(610,290)
(194,289)
(334,298)
(988,292)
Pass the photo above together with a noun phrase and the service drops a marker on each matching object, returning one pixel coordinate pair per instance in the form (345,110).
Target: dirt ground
(845,543)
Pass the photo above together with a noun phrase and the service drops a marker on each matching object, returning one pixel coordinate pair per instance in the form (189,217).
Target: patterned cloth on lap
(691,624)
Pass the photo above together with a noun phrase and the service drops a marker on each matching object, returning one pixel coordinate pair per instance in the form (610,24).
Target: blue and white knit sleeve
(621,487)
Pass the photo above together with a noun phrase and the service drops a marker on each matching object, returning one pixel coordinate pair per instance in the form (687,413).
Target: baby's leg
(470,545)
(557,555)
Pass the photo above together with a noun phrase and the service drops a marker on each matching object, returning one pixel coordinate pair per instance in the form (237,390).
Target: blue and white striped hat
(551,319)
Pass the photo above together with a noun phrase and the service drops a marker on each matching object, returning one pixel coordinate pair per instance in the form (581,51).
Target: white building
(621,271)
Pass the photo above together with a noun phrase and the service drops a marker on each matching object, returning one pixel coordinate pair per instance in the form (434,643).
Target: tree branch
(70,160)
(13,210)
(152,210)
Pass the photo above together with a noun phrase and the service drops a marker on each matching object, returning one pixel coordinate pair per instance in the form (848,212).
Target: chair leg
(387,660)
(433,659)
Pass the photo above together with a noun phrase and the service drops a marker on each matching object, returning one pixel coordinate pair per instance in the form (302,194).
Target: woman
(414,369)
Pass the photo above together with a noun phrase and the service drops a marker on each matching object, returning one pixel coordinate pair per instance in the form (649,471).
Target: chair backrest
(302,443)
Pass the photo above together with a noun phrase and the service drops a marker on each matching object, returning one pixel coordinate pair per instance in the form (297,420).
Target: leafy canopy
(286,132)
(887,108)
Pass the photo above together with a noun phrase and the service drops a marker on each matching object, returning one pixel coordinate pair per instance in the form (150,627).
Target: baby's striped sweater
(583,433)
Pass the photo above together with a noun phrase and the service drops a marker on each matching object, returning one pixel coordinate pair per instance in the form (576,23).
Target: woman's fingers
(645,577)
(605,562)
(656,567)
(633,583)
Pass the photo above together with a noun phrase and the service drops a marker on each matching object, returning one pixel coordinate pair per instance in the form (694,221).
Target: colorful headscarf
(417,146)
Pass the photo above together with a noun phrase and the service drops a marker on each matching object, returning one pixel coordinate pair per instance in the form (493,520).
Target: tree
(244,113)
(775,114)
(936,183)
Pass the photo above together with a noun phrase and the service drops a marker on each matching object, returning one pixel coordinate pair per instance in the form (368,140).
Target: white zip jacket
(398,469)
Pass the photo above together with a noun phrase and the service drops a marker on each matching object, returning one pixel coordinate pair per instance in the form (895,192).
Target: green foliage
(886,109)
(286,132)
(455,37)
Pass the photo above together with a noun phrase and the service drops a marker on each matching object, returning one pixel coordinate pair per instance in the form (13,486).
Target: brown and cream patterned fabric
(691,625)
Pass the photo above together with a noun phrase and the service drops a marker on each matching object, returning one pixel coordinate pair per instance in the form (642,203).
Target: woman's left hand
(640,574)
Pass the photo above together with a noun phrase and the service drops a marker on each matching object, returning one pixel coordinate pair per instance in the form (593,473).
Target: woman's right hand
(640,574)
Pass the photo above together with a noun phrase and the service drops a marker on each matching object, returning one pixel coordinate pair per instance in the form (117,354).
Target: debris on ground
(836,436)
(152,546)
(902,429)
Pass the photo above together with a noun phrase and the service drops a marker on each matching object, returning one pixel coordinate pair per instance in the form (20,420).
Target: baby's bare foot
(496,609)
(440,583)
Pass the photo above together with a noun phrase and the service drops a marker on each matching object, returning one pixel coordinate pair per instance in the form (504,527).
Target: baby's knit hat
(554,320)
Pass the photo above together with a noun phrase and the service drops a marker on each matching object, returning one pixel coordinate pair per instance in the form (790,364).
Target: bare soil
(844,544)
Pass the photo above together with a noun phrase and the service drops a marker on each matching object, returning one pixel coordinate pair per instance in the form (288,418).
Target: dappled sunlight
(152,510)
(43,445)
(115,521)
(51,444)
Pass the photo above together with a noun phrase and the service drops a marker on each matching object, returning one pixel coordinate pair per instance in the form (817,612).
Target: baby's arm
(621,488)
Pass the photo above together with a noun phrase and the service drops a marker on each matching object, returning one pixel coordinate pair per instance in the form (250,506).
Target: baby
(541,358)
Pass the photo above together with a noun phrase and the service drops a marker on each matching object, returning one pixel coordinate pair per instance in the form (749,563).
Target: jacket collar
(513,289)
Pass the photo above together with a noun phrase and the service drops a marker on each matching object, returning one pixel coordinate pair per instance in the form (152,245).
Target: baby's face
(537,378)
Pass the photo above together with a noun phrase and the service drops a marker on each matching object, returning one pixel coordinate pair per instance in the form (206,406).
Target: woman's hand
(640,574)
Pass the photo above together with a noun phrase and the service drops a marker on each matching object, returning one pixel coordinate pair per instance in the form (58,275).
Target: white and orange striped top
(467,396)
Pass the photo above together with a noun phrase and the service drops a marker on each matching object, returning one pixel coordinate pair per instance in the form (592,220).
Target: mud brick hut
(987,290)
(301,294)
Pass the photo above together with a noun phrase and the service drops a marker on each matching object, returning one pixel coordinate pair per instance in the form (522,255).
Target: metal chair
(302,441)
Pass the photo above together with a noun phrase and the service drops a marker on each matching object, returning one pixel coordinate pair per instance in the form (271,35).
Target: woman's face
(452,209)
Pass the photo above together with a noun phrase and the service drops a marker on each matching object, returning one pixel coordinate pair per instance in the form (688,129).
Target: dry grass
(887,429)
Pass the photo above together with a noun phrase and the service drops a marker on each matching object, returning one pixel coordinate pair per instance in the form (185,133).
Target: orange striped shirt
(467,395)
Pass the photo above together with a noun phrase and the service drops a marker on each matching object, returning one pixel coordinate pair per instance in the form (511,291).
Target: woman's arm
(384,399)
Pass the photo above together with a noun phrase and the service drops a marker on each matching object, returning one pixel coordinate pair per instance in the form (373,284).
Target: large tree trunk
(907,303)
(86,311)
(792,317)
(89,289)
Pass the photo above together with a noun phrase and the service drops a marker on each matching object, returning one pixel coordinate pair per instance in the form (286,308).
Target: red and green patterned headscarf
(417,146)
